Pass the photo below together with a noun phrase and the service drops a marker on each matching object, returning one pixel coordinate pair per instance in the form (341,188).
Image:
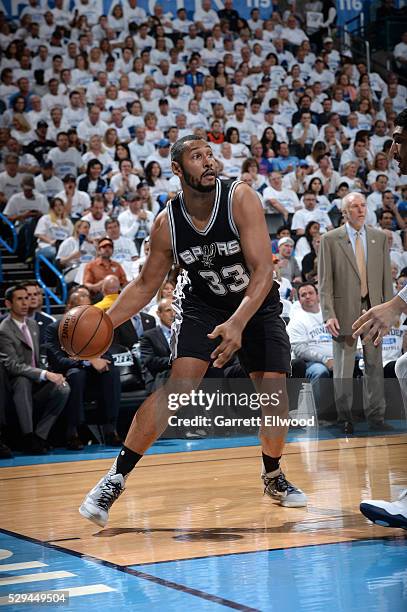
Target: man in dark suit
(96,378)
(36,302)
(155,343)
(31,385)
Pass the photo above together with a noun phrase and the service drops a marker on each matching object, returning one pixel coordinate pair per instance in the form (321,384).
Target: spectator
(92,182)
(311,341)
(155,343)
(285,162)
(52,229)
(124,248)
(66,160)
(136,223)
(96,217)
(35,305)
(284,201)
(309,268)
(287,264)
(47,183)
(76,202)
(309,213)
(96,378)
(103,265)
(75,250)
(26,208)
(10,179)
(31,385)
(126,180)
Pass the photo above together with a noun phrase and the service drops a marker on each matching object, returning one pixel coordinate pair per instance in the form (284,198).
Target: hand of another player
(101,365)
(332,326)
(231,334)
(376,322)
(57,379)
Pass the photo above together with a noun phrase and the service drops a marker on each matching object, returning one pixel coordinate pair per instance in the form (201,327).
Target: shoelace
(110,491)
(280,483)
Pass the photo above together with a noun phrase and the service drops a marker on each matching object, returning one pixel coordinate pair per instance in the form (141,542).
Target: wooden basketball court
(204,504)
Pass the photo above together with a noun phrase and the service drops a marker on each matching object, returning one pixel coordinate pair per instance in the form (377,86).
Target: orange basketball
(85,332)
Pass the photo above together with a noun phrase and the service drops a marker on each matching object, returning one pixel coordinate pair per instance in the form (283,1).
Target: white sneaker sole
(83,511)
(290,503)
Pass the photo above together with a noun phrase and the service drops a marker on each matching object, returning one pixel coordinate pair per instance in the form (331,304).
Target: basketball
(85,332)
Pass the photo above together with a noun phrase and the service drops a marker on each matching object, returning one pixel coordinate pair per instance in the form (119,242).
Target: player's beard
(195,183)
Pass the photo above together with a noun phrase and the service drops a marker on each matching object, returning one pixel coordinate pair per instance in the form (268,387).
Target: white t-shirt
(124,249)
(19,204)
(9,185)
(309,327)
(48,188)
(55,230)
(304,216)
(286,197)
(392,344)
(80,201)
(116,182)
(71,245)
(97,226)
(65,162)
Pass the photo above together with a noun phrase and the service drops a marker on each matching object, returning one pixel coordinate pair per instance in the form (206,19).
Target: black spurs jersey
(213,258)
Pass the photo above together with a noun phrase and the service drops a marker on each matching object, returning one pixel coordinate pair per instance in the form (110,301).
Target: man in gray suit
(31,385)
(354,274)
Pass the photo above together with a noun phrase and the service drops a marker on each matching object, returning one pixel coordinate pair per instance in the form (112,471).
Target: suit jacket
(339,281)
(58,360)
(126,334)
(16,353)
(43,321)
(155,352)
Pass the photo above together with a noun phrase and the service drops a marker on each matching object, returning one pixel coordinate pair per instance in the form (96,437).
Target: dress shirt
(166,331)
(352,237)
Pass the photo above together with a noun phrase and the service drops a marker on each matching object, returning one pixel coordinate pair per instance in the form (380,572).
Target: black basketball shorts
(265,343)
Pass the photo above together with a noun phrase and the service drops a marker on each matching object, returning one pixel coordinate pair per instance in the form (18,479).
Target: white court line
(34,577)
(20,566)
(91,589)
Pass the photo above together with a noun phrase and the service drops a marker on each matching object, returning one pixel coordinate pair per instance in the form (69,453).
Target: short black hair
(178,148)
(10,291)
(401,119)
(305,284)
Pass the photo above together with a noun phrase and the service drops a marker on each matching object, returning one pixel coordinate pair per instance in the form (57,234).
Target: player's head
(399,146)
(193,162)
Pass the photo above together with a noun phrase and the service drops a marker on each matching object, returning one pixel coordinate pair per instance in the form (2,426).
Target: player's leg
(381,512)
(149,422)
(272,434)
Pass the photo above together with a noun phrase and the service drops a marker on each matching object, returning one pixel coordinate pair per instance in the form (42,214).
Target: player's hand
(330,364)
(376,322)
(231,334)
(57,379)
(332,326)
(101,365)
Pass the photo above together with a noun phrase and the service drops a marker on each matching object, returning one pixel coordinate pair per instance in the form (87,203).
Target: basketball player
(375,324)
(226,301)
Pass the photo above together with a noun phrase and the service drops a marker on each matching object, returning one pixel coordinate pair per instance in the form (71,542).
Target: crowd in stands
(91,103)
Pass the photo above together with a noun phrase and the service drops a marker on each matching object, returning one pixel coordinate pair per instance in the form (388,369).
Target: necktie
(361,263)
(28,338)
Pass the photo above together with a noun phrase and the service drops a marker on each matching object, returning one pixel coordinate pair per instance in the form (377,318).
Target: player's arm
(255,242)
(376,322)
(142,289)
